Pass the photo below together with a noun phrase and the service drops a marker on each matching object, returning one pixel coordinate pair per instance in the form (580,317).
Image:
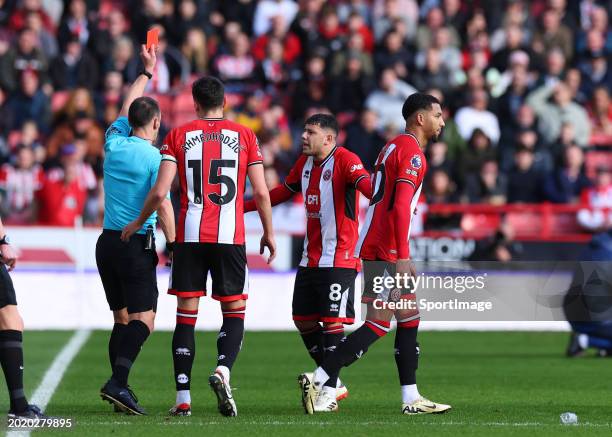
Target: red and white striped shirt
(20,185)
(400,161)
(329,189)
(212,157)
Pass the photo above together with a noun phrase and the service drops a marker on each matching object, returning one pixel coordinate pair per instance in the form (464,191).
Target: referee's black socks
(11,358)
(134,336)
(115,341)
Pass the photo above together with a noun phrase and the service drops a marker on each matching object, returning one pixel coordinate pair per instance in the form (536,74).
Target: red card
(152,38)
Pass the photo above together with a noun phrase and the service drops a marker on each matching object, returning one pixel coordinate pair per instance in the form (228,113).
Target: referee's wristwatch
(146,73)
(5,240)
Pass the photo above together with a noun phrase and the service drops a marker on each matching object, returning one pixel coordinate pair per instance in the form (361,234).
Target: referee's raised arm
(137,89)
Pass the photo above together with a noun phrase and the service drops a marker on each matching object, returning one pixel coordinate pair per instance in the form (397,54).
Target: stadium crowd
(525,86)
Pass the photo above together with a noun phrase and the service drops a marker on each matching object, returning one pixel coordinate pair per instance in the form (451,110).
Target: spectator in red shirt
(292,47)
(61,198)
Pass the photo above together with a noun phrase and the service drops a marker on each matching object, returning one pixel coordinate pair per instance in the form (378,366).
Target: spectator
(388,99)
(194,49)
(393,54)
(488,186)
(554,68)
(311,91)
(171,69)
(266,9)
(524,181)
(30,102)
(17,21)
(18,183)
(187,15)
(113,27)
(553,34)
(292,48)
(121,55)
(387,13)
(238,67)
(513,41)
(439,190)
(363,139)
(354,49)
(45,40)
(24,56)
(350,89)
(437,158)
(600,114)
(433,22)
(75,24)
(476,115)
(565,184)
(551,115)
(471,160)
(237,11)
(61,199)
(595,199)
(596,73)
(75,67)
(331,32)
(271,72)
(434,74)
(450,56)
(356,24)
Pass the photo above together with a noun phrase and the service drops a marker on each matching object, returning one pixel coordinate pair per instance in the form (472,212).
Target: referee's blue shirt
(130,170)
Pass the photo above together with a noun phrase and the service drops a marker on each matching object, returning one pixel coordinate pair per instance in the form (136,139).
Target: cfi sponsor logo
(356,167)
(182,351)
(181,378)
(416,162)
(327,175)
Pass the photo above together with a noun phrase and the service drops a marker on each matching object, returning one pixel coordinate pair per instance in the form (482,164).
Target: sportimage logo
(415,161)
(182,378)
(327,175)
(182,351)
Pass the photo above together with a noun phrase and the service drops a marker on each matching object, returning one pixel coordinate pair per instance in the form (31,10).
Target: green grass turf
(498,383)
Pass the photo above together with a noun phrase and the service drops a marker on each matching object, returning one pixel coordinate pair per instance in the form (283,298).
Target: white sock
(330,390)
(583,341)
(183,397)
(320,376)
(339,383)
(410,393)
(225,372)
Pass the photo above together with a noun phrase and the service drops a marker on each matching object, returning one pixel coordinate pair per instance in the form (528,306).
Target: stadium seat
(524,224)
(480,225)
(596,158)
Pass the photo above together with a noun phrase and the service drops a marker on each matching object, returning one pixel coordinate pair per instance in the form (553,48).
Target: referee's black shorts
(127,271)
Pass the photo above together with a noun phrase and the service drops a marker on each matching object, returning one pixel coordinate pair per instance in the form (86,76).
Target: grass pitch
(499,383)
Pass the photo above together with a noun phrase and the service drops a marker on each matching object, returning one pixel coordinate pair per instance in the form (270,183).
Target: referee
(127,269)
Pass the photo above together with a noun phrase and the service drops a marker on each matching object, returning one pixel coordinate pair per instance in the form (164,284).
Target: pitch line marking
(53,375)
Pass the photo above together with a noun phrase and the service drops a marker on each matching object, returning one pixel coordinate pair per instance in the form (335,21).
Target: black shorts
(373,275)
(227,264)
(7,291)
(324,294)
(127,271)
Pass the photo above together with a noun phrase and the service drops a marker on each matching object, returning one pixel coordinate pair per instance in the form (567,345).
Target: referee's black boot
(121,397)
(31,412)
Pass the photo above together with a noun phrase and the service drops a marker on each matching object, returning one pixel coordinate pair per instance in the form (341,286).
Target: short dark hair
(324,121)
(208,92)
(142,111)
(417,102)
